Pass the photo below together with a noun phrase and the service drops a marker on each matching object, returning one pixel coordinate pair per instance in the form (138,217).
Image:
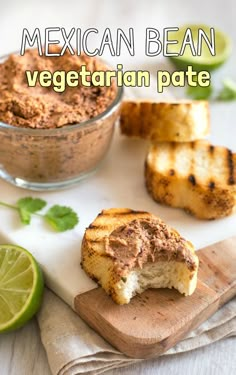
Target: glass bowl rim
(66,128)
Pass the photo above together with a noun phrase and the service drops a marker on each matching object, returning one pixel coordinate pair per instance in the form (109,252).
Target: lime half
(21,287)
(206,61)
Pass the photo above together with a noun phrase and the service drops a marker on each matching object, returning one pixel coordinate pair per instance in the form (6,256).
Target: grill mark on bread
(91,226)
(231,168)
(124,213)
(192,179)
(153,107)
(211,149)
(95,240)
(211,185)
(96,226)
(107,213)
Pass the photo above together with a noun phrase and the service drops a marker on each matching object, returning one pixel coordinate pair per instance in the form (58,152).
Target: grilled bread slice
(128,251)
(196,176)
(171,121)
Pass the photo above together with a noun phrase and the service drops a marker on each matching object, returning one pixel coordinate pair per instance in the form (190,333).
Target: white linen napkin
(74,348)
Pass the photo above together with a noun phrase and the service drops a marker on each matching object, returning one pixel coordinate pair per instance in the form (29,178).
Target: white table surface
(21,352)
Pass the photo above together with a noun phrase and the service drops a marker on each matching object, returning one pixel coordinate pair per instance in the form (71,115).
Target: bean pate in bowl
(53,139)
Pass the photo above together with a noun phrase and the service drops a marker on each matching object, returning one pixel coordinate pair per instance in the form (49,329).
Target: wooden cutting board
(156,320)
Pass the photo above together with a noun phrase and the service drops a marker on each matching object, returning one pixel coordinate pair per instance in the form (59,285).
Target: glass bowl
(43,159)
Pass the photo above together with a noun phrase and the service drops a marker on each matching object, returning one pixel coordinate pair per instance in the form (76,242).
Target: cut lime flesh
(21,287)
(206,61)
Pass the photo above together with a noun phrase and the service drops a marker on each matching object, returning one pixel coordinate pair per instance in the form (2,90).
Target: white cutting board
(118,183)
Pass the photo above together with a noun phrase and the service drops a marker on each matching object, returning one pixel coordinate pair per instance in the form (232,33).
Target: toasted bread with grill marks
(196,176)
(173,269)
(171,121)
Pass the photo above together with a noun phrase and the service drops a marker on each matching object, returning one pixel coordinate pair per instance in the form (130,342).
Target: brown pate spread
(68,152)
(42,107)
(146,240)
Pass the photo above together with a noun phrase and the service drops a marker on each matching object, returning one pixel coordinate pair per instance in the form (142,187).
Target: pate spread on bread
(128,251)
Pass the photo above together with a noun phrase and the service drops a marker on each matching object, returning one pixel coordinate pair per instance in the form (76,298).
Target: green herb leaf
(61,218)
(27,206)
(31,204)
(199,93)
(24,216)
(228,91)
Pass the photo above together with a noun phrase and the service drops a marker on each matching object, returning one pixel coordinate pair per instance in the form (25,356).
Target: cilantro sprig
(60,218)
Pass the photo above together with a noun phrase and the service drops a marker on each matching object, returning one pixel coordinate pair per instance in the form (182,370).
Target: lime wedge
(206,61)
(21,287)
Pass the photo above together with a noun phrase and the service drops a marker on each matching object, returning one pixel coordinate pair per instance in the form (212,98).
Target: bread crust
(205,200)
(171,121)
